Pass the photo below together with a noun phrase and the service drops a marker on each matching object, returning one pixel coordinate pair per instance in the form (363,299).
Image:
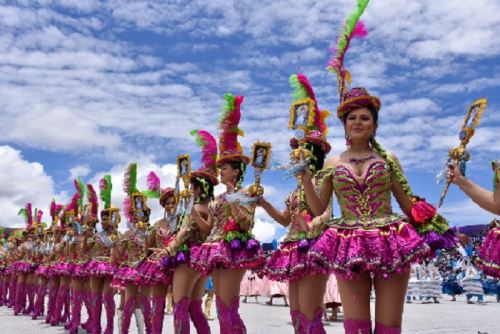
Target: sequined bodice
(366,201)
(220,210)
(135,247)
(101,246)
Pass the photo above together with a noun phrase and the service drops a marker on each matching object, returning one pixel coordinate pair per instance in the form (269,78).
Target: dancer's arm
(402,198)
(486,199)
(318,204)
(282,218)
(201,216)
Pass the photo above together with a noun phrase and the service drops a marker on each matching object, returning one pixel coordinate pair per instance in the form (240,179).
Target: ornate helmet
(134,205)
(229,147)
(208,169)
(355,98)
(306,114)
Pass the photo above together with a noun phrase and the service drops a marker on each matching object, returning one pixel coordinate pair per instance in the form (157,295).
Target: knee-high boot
(96,312)
(12,292)
(30,293)
(181,316)
(76,312)
(382,329)
(157,314)
(40,298)
(87,299)
(128,309)
(20,298)
(62,296)
(146,311)
(229,319)
(66,314)
(357,326)
(109,305)
(296,322)
(51,304)
(314,326)
(198,318)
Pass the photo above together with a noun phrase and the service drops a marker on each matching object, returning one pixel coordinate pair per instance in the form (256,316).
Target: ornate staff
(186,195)
(460,154)
(261,155)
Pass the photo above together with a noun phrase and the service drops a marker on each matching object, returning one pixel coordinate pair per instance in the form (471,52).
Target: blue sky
(88,86)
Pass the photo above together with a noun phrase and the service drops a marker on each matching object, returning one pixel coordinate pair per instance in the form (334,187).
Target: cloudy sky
(88,86)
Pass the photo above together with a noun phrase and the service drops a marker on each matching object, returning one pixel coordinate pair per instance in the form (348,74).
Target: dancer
(291,261)
(101,267)
(489,253)
(189,284)
(472,283)
(230,248)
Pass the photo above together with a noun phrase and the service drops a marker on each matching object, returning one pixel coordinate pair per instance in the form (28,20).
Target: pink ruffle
(42,271)
(489,254)
(80,271)
(100,268)
(151,272)
(289,264)
(378,251)
(127,275)
(66,269)
(208,256)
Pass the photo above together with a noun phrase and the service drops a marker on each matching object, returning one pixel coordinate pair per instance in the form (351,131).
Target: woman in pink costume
(22,265)
(291,261)
(150,269)
(132,250)
(101,267)
(35,259)
(230,248)
(54,251)
(79,257)
(369,246)
(489,253)
(189,284)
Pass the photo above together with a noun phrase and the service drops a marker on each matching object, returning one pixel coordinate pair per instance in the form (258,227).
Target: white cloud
(465,212)
(22,182)
(80,170)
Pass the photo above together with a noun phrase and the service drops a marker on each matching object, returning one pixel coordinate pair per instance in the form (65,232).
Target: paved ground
(446,317)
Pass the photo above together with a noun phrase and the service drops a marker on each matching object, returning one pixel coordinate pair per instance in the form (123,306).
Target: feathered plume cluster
(353,28)
(208,148)
(105,187)
(55,209)
(130,179)
(92,199)
(27,213)
(228,124)
(153,182)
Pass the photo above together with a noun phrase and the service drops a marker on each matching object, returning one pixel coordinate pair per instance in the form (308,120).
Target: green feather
(299,91)
(227,107)
(198,139)
(350,25)
(151,194)
(105,192)
(130,182)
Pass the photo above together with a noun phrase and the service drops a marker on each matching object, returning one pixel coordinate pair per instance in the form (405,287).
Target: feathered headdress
(55,209)
(316,131)
(92,199)
(154,189)
(81,190)
(208,169)
(130,187)
(27,213)
(105,187)
(229,147)
(38,216)
(356,97)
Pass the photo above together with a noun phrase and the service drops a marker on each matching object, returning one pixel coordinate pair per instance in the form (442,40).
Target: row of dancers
(368,246)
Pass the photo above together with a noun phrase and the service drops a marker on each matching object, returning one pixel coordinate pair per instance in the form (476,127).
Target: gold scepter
(261,155)
(460,154)
(183,172)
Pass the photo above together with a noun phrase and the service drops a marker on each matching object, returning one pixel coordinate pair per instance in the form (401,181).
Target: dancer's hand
(454,175)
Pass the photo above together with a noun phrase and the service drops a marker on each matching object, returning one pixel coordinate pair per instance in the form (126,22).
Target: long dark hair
(207,188)
(241,167)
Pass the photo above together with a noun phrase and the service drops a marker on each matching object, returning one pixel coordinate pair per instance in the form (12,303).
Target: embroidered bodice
(220,210)
(364,202)
(102,243)
(194,235)
(134,247)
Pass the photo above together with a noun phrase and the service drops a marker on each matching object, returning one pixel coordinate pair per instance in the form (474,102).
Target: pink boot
(96,313)
(109,306)
(87,299)
(76,312)
(2,288)
(198,317)
(128,309)
(181,316)
(146,311)
(20,298)
(314,326)
(62,296)
(229,319)
(382,329)
(357,326)
(67,307)
(51,304)
(30,292)
(297,325)
(12,292)
(40,298)
(157,314)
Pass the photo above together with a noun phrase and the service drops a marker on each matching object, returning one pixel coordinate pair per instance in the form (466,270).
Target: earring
(347,140)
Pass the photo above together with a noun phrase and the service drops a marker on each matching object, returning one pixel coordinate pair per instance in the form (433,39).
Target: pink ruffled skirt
(42,271)
(22,267)
(288,263)
(151,272)
(214,255)
(126,275)
(489,253)
(379,251)
(101,269)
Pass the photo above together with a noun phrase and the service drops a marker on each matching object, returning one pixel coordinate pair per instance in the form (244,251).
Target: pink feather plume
(153,181)
(92,198)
